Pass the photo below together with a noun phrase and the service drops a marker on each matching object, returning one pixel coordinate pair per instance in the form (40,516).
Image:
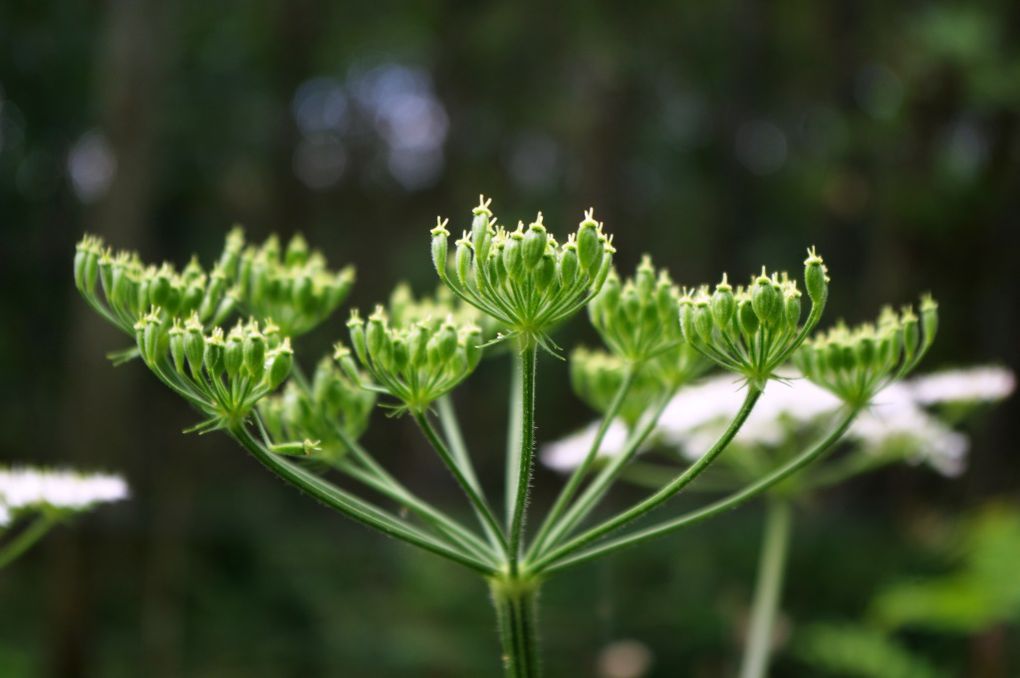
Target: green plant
(512,289)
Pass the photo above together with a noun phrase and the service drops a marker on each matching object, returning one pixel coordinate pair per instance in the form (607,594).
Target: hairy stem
(527,440)
(582,469)
(513,434)
(516,605)
(768,587)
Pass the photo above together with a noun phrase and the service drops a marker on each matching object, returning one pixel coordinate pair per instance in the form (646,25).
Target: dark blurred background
(713,135)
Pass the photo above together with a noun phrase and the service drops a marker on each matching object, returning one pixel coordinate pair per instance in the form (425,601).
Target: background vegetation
(713,135)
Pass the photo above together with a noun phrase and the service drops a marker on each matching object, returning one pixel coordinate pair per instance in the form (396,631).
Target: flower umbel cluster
(524,278)
(333,408)
(856,363)
(294,287)
(753,330)
(416,363)
(222,374)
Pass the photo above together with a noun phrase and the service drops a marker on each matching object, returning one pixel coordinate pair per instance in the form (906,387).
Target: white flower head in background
(567,453)
(5,515)
(987,383)
(30,488)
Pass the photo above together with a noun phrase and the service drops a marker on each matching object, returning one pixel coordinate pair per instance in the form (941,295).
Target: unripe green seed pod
(463,261)
(611,293)
(356,328)
(194,345)
(724,305)
(514,257)
(233,352)
(545,272)
(631,304)
(213,358)
(280,360)
(375,336)
(687,321)
(766,301)
(159,288)
(703,321)
(297,251)
(417,342)
(535,240)
(911,334)
(589,249)
(255,354)
(177,346)
(439,253)
(644,278)
(791,307)
(303,292)
(447,341)
(568,265)
(747,318)
(473,347)
(401,353)
(866,353)
(86,265)
(481,239)
(929,318)
(343,358)
(816,279)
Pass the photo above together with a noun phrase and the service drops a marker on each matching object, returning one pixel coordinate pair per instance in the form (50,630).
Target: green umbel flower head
(404,309)
(855,364)
(523,278)
(415,363)
(293,287)
(334,407)
(753,330)
(222,374)
(121,288)
(637,318)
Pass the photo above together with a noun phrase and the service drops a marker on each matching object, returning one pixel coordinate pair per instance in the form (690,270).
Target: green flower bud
(545,272)
(159,287)
(929,318)
(687,320)
(791,307)
(703,320)
(401,353)
(194,344)
(297,251)
(375,334)
(440,237)
(463,260)
(86,264)
(356,327)
(481,238)
(644,278)
(747,317)
(513,255)
(447,341)
(472,342)
(568,264)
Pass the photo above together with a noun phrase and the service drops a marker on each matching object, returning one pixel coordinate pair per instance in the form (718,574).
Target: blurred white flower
(566,454)
(5,515)
(976,384)
(30,488)
(697,415)
(624,659)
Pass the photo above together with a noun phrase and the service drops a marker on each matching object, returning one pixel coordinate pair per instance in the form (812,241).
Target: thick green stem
(769,585)
(529,357)
(582,469)
(705,512)
(26,539)
(513,434)
(516,604)
(664,494)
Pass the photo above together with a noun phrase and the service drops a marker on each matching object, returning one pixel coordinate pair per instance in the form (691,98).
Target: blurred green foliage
(713,135)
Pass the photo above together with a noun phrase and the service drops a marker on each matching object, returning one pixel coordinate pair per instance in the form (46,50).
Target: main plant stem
(771,566)
(529,357)
(516,604)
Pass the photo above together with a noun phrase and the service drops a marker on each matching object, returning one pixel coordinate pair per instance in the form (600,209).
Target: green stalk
(516,605)
(768,588)
(481,507)
(529,358)
(26,539)
(549,565)
(664,494)
(351,505)
(513,434)
(567,493)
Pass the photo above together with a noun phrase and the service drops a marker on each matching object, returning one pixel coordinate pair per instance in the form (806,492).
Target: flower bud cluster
(404,309)
(524,278)
(123,289)
(222,373)
(596,377)
(332,404)
(415,363)
(294,287)
(855,364)
(753,330)
(637,318)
